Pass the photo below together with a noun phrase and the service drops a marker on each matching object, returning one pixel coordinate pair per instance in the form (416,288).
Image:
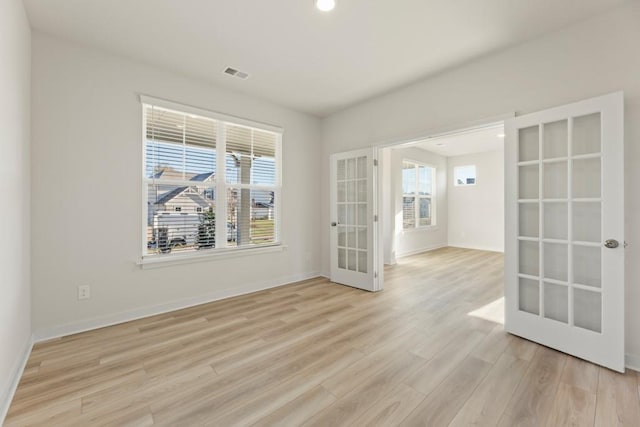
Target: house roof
(167,197)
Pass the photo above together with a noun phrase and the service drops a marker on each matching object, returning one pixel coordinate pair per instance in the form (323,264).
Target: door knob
(611,244)
(333,224)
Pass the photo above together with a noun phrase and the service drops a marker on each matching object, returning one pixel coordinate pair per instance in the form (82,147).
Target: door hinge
(375,218)
(375,274)
(375,162)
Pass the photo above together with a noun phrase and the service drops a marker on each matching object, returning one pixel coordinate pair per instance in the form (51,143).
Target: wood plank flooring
(426,351)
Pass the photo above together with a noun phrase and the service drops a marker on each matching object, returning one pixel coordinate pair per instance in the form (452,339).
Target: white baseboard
(632,361)
(479,248)
(420,250)
(126,316)
(10,388)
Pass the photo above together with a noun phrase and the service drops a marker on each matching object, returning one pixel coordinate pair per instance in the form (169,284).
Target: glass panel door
(564,285)
(352,237)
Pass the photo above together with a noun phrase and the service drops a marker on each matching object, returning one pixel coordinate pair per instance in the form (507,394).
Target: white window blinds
(183,154)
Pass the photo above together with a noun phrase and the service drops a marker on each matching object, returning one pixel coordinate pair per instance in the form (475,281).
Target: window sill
(159,261)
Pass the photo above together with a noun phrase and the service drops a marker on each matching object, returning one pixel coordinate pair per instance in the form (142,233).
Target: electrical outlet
(84,292)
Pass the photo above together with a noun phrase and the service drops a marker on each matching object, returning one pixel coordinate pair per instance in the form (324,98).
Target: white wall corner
(9,389)
(45,334)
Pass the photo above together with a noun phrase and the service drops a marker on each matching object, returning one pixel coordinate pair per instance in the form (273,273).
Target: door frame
(432,133)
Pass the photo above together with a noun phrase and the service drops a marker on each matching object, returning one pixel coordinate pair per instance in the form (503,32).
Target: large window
(418,198)
(209,183)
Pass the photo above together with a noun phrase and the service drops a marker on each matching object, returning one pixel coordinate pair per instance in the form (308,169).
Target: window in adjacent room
(464,175)
(418,194)
(211,182)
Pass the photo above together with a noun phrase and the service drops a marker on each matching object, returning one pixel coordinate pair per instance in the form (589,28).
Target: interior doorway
(443,191)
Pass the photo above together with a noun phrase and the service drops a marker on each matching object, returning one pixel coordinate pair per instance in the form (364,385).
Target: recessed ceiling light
(325,5)
(501,135)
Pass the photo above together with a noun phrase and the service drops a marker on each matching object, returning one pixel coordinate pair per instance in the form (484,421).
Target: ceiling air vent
(236,73)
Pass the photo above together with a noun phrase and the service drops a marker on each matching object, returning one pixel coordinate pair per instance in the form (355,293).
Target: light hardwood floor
(320,354)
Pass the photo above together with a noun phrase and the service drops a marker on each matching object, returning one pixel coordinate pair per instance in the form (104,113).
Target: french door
(564,252)
(353,240)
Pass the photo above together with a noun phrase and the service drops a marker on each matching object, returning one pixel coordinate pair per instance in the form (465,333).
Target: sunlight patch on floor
(493,312)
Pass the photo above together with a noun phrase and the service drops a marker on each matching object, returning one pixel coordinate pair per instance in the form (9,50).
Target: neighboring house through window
(418,198)
(211,182)
(464,175)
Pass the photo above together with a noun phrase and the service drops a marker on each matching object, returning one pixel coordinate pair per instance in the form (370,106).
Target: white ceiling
(302,58)
(470,142)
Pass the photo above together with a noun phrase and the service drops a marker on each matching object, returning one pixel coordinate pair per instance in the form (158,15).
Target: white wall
(591,58)
(407,242)
(15,299)
(87,191)
(476,212)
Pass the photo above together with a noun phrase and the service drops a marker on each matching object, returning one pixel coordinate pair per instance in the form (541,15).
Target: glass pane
(555,139)
(250,217)
(408,212)
(587,222)
(352,196)
(362,214)
(528,142)
(424,180)
(362,261)
(587,309)
(179,146)
(464,175)
(342,169)
(352,260)
(362,167)
(586,178)
(555,180)
(408,178)
(555,221)
(586,134)
(529,220)
(556,261)
(180,218)
(342,192)
(529,258)
(587,265)
(556,302)
(342,236)
(351,168)
(362,190)
(251,156)
(351,214)
(425,211)
(529,296)
(362,238)
(351,237)
(342,258)
(342,214)
(528,182)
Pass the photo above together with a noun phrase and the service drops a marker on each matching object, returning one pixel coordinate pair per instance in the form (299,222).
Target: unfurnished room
(319,213)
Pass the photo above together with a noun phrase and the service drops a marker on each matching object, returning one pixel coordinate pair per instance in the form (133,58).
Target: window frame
(475,177)
(218,184)
(417,196)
